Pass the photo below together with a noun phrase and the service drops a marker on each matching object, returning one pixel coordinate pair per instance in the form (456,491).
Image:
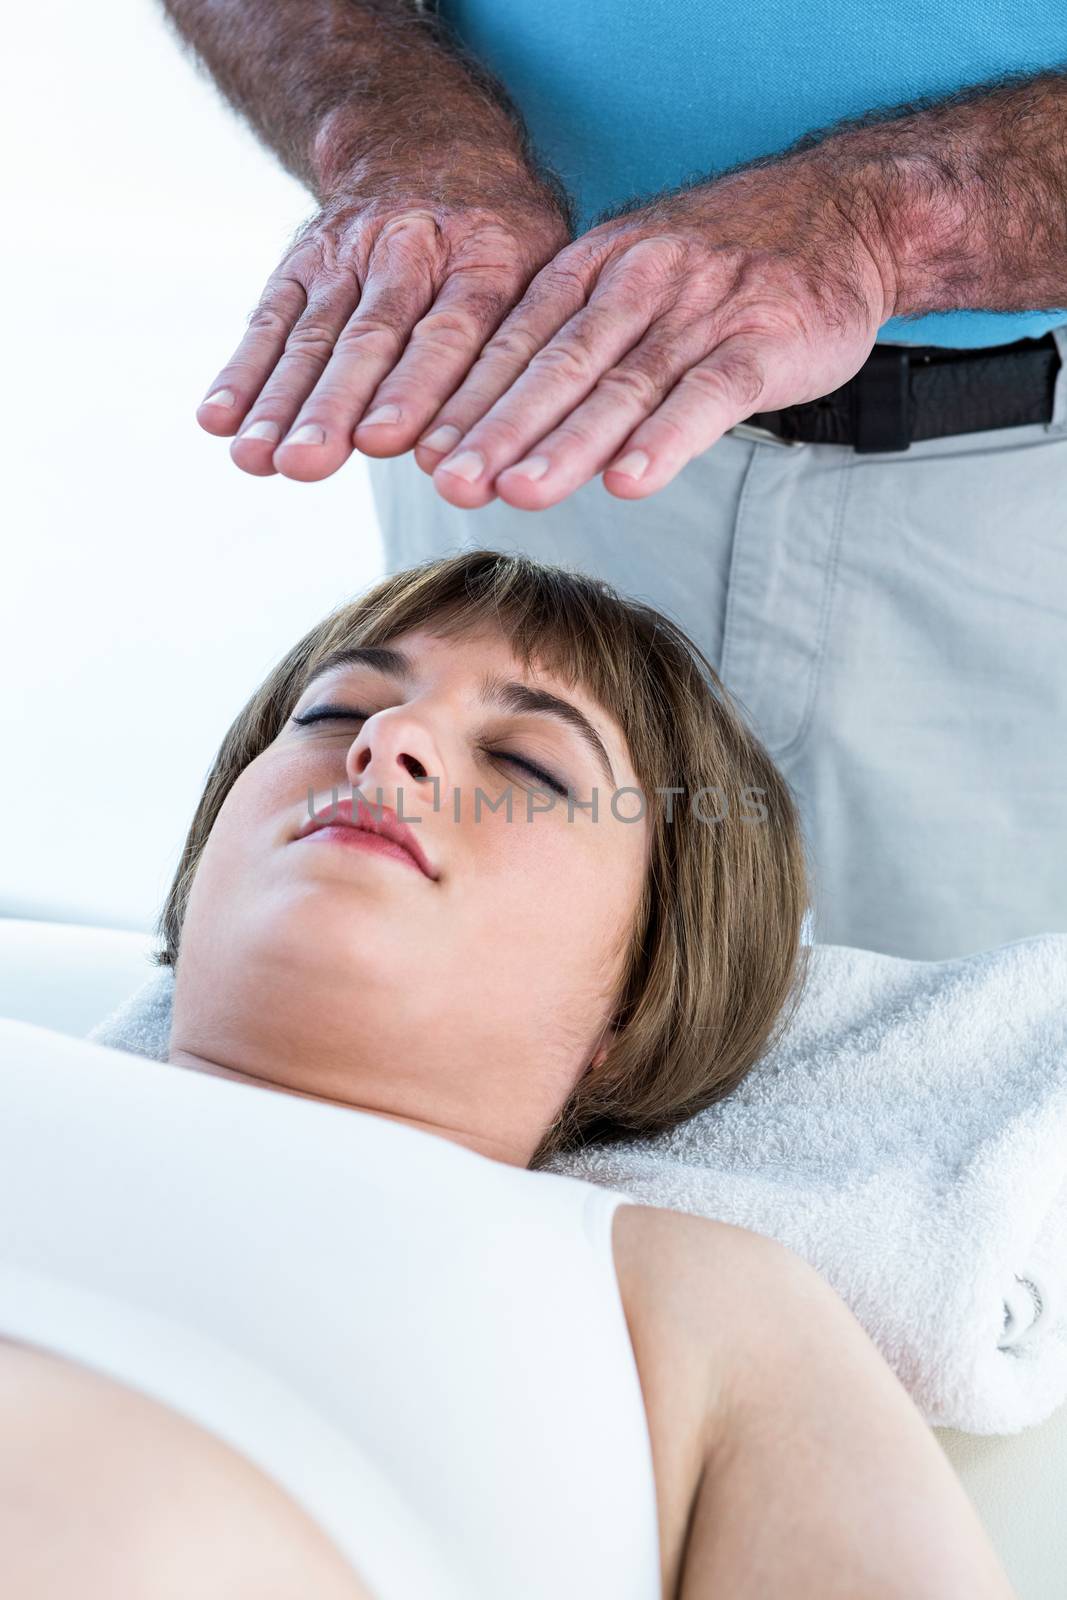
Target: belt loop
(881,414)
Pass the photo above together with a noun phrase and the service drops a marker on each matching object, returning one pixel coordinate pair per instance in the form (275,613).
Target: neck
(493,1150)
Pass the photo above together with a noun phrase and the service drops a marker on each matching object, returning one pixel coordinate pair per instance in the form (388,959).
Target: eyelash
(327,714)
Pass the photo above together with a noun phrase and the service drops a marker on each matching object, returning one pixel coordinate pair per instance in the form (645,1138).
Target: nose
(397,754)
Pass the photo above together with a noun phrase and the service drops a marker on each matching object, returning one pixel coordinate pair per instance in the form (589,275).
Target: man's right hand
(384,298)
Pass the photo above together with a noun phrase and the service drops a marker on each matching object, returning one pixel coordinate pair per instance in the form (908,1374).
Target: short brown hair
(714,964)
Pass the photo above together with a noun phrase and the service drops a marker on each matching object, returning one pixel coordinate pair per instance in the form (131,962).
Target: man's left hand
(641,343)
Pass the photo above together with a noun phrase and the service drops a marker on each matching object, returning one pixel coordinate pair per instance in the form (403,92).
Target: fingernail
(381,414)
(532,467)
(310,433)
(442,438)
(262,430)
(221,397)
(467,466)
(632,465)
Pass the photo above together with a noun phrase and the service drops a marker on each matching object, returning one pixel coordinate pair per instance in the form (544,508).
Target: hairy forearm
(347,90)
(962,203)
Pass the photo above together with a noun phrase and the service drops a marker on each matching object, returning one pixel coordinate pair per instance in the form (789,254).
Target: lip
(378,820)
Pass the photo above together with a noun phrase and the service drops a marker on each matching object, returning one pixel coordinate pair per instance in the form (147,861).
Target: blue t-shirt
(627,98)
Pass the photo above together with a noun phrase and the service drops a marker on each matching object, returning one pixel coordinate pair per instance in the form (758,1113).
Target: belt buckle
(879,401)
(745,430)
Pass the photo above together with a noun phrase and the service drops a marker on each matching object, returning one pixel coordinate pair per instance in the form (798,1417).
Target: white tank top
(426,1348)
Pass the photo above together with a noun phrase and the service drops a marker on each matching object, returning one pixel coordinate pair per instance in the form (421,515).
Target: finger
(706,402)
(241,379)
(556,380)
(591,436)
(443,346)
(402,278)
(305,353)
(551,299)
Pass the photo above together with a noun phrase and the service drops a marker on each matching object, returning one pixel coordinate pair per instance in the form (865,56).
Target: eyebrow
(520,698)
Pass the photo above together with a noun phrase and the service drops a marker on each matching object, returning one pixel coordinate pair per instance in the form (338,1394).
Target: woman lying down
(297,1314)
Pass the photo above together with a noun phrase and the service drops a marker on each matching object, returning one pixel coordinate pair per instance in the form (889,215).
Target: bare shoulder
(643,1233)
(713,1299)
(685,1283)
(683,1279)
(803,1466)
(149,1503)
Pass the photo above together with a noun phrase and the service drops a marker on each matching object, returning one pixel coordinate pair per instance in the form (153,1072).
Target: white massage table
(68,977)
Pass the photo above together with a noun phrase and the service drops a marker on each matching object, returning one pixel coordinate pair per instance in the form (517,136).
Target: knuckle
(567,277)
(362,329)
(751,383)
(711,382)
(631,297)
(266,318)
(451,326)
(505,431)
(563,359)
(412,243)
(283,288)
(312,340)
(632,383)
(331,254)
(654,261)
(740,375)
(671,429)
(573,432)
(514,343)
(412,227)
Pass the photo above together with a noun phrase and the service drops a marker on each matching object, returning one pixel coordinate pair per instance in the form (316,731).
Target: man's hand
(384,299)
(650,336)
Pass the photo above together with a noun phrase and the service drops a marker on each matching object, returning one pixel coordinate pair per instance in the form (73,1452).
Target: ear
(607,1039)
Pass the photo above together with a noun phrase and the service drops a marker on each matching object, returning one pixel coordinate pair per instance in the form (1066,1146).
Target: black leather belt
(905,393)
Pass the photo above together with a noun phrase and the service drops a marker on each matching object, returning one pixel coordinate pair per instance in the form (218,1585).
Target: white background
(148,584)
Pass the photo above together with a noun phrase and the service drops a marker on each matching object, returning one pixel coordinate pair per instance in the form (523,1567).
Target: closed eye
(538,772)
(330,714)
(339,714)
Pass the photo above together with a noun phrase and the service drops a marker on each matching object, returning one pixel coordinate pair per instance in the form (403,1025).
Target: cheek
(234,855)
(213,898)
(251,817)
(571,886)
